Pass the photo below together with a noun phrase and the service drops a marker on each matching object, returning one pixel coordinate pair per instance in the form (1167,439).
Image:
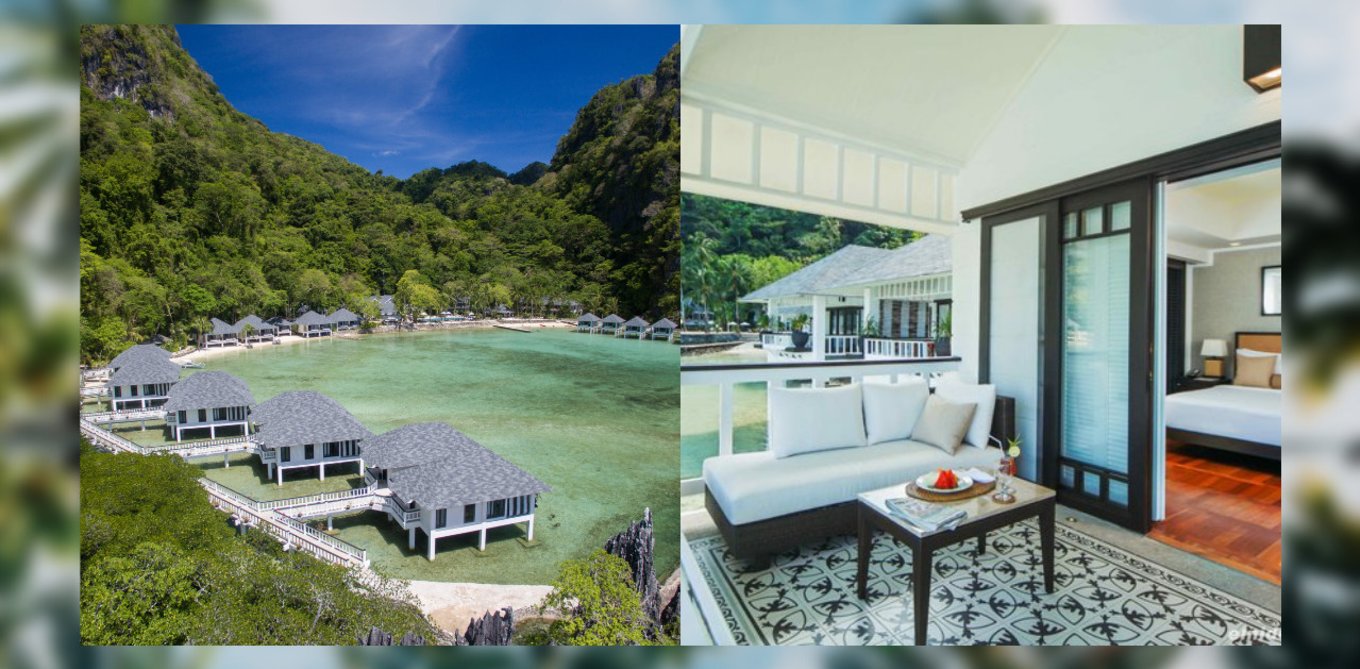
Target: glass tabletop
(977,507)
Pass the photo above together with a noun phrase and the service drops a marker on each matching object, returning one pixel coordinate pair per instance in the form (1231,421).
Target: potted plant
(943,334)
(800,335)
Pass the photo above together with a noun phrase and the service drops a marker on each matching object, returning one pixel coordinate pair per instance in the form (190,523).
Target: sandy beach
(201,354)
(453,605)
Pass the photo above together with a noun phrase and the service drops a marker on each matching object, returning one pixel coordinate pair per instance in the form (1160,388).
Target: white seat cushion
(758,486)
(984,396)
(891,409)
(803,420)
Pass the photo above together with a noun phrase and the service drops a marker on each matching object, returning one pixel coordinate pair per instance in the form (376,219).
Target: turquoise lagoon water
(699,414)
(594,417)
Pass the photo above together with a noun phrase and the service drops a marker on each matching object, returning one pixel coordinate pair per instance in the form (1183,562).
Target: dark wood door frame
(1245,147)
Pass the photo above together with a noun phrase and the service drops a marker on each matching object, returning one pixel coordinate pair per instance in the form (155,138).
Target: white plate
(926,482)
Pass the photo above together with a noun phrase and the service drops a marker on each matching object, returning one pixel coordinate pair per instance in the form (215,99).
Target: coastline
(201,354)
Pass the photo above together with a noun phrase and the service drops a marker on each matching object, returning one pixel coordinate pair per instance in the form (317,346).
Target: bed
(1240,419)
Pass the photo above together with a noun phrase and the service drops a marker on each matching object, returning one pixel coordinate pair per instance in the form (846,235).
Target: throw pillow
(943,423)
(1254,371)
(891,409)
(983,396)
(806,420)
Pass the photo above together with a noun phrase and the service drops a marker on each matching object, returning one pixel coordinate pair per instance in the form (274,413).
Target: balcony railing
(879,348)
(726,378)
(842,345)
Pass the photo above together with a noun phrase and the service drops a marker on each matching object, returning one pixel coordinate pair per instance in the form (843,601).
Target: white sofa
(764,504)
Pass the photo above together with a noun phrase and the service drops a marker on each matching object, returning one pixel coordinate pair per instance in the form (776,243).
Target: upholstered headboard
(1266,342)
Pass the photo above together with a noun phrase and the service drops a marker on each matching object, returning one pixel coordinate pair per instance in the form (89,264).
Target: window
(286,453)
(469,513)
(117,391)
(219,414)
(134,390)
(495,509)
(183,417)
(441,518)
(308,452)
(202,415)
(330,449)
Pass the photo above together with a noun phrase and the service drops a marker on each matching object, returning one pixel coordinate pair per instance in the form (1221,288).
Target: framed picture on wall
(1270,291)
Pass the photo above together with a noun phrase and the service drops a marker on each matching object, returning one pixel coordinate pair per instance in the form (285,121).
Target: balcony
(724,409)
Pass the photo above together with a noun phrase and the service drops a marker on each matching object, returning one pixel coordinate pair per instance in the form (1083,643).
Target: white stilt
(212,431)
(430,556)
(280,475)
(323,471)
(329,526)
(269,470)
(411,537)
(226,464)
(531,528)
(481,540)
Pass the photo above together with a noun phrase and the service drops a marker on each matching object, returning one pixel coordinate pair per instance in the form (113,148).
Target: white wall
(967,279)
(1109,95)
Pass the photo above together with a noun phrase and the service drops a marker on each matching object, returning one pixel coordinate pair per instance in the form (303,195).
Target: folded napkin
(978,475)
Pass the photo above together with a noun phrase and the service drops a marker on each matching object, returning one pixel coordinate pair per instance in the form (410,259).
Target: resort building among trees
(587,322)
(345,319)
(260,330)
(222,334)
(302,428)
(663,329)
(313,324)
(444,483)
(635,327)
(208,401)
(142,383)
(864,301)
(610,324)
(136,352)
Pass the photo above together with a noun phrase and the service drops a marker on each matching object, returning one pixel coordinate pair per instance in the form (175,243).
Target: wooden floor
(1224,507)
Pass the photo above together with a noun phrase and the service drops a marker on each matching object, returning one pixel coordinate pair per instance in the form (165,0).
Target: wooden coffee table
(984,515)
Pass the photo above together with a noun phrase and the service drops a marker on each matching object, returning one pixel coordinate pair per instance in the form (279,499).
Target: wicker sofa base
(756,542)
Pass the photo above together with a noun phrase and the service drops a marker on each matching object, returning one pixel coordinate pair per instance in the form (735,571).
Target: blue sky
(403,98)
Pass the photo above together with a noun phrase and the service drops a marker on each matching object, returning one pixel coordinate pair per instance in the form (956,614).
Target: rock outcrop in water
(635,546)
(493,629)
(377,637)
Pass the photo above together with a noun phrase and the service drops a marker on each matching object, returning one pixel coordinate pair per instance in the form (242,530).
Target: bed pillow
(983,396)
(1254,371)
(1252,353)
(943,423)
(891,409)
(806,420)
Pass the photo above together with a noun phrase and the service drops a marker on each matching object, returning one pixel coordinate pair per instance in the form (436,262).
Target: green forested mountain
(191,209)
(732,248)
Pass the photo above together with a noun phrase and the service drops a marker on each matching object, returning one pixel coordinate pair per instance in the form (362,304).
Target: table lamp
(1213,351)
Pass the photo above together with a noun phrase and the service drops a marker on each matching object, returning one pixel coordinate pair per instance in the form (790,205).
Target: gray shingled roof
(304,417)
(588,318)
(636,322)
(256,322)
(386,305)
(416,444)
(612,319)
(313,318)
(221,327)
(209,390)
(859,265)
(139,351)
(343,315)
(932,254)
(143,370)
(472,475)
(664,324)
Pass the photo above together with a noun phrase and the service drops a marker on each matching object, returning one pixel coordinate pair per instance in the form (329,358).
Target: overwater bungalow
(345,319)
(261,330)
(609,324)
(142,383)
(587,322)
(663,329)
(222,334)
(313,324)
(442,482)
(302,428)
(282,326)
(387,307)
(137,352)
(207,402)
(635,327)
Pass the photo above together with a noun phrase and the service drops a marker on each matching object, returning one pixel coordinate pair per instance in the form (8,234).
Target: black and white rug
(1103,596)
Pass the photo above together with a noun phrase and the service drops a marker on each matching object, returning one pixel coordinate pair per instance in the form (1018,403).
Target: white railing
(296,533)
(127,416)
(201,448)
(342,495)
(268,455)
(406,516)
(841,345)
(726,377)
(882,349)
(105,439)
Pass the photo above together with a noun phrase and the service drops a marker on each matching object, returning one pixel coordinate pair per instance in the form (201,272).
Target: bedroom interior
(1222,407)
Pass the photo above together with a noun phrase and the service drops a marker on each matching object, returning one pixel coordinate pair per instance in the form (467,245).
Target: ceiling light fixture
(1261,62)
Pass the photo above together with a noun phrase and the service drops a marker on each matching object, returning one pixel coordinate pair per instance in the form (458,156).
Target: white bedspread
(1239,412)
